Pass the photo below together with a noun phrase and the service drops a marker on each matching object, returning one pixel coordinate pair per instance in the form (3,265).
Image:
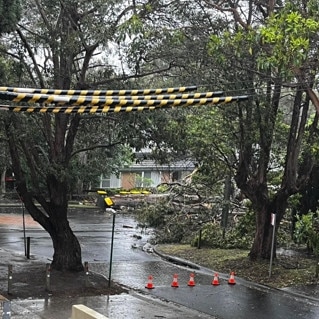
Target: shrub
(306,231)
(238,236)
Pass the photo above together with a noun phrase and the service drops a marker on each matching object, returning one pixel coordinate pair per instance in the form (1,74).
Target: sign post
(111,252)
(23,225)
(273,223)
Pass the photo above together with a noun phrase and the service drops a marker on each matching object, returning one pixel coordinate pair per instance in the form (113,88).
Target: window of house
(176,176)
(147,175)
(105,182)
(143,179)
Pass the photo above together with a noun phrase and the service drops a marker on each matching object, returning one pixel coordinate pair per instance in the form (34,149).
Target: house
(146,173)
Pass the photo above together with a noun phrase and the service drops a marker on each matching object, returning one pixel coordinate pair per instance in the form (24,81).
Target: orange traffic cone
(231,280)
(215,281)
(175,282)
(149,284)
(191,281)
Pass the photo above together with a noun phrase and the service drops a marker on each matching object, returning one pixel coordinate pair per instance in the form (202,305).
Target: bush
(306,231)
(239,236)
(211,236)
(151,216)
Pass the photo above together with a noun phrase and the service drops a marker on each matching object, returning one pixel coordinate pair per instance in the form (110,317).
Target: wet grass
(287,270)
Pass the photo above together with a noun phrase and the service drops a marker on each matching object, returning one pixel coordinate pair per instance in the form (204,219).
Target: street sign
(273,223)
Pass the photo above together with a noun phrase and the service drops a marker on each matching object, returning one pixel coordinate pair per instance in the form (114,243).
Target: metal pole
(48,277)
(10,276)
(28,247)
(226,203)
(24,234)
(111,253)
(23,223)
(86,268)
(199,239)
(273,222)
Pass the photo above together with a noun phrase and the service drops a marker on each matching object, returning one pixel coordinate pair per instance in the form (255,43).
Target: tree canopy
(10,13)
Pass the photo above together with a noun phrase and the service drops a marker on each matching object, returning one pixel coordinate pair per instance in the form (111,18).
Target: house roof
(150,165)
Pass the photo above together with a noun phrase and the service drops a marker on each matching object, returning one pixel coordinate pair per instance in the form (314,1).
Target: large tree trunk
(261,248)
(52,215)
(264,207)
(67,250)
(3,182)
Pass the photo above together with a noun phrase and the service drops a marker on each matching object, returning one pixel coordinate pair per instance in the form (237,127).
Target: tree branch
(95,147)
(32,56)
(133,76)
(233,10)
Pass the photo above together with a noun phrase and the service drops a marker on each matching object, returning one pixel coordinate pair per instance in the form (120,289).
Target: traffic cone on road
(149,284)
(231,280)
(191,281)
(215,281)
(175,282)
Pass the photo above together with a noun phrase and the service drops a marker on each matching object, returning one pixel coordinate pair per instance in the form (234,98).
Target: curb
(176,260)
(188,264)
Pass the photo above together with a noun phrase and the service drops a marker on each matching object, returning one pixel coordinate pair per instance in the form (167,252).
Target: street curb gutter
(188,264)
(176,260)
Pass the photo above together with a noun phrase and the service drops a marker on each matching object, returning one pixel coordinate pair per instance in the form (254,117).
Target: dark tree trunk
(264,207)
(3,182)
(52,215)
(67,250)
(261,248)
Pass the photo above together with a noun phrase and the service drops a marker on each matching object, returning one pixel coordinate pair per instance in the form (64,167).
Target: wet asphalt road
(132,266)
(92,228)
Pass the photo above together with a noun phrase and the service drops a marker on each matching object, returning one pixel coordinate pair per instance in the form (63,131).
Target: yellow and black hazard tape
(96,100)
(197,95)
(99,92)
(104,101)
(80,109)
(111,105)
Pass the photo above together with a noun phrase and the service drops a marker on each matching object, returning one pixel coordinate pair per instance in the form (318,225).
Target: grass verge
(288,270)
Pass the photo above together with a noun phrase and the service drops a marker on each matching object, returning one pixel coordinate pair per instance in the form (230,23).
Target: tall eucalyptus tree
(269,50)
(64,44)
(10,13)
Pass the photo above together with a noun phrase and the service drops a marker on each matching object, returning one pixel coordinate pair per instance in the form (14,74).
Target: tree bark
(67,250)
(261,248)
(52,215)
(3,182)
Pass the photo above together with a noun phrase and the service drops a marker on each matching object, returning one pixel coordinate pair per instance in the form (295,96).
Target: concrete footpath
(124,306)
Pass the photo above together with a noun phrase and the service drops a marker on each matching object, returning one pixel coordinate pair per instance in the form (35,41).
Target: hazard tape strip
(99,92)
(96,100)
(128,106)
